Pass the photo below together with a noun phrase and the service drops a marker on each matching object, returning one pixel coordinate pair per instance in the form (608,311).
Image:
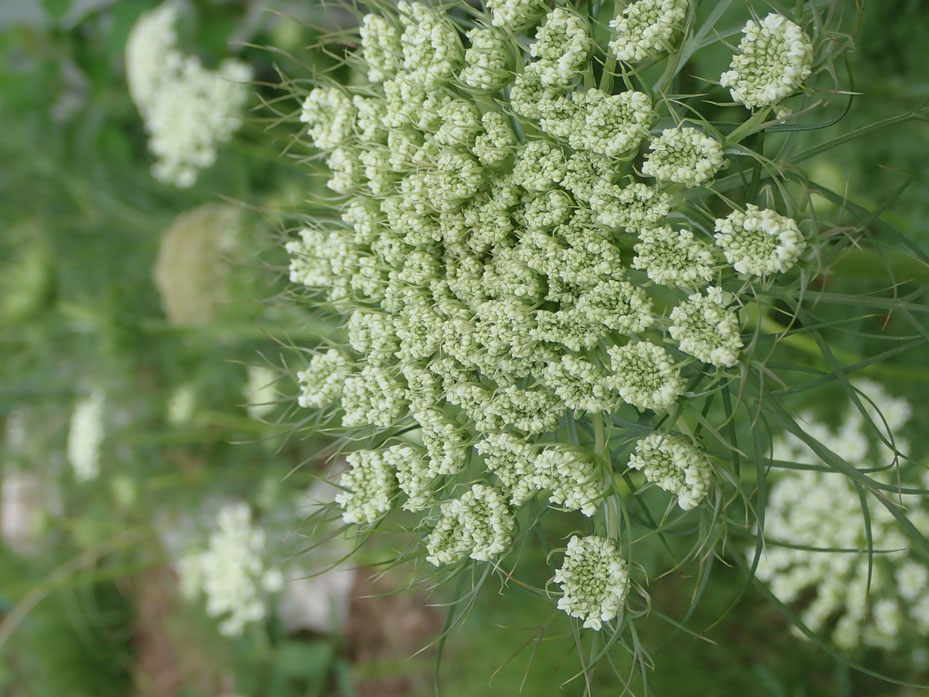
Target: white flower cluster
(479,525)
(322,381)
(684,156)
(759,241)
(415,477)
(645,375)
(774,59)
(580,384)
(818,513)
(562,46)
(86,435)
(368,486)
(512,460)
(192,268)
(231,571)
(382,50)
(646,28)
(189,111)
(431,46)
(673,258)
(612,123)
(707,329)
(487,60)
(489,197)
(330,113)
(515,15)
(573,479)
(676,465)
(594,580)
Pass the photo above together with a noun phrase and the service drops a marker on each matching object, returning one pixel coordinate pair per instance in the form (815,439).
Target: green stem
(600,440)
(753,125)
(606,79)
(808,346)
(918,114)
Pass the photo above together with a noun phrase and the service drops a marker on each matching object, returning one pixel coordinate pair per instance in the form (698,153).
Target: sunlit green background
(89,605)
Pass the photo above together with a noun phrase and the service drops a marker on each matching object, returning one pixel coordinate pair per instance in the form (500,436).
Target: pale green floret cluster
(369,118)
(479,525)
(854,597)
(645,375)
(511,460)
(381,47)
(445,441)
(373,334)
(461,124)
(346,171)
(369,487)
(496,143)
(580,384)
(432,50)
(612,124)
(414,476)
(684,156)
(759,242)
(675,465)
(322,381)
(374,396)
(562,47)
(188,110)
(515,15)
(647,28)
(513,287)
(707,329)
(487,59)
(86,434)
(330,114)
(631,208)
(594,580)
(775,57)
(673,258)
(573,479)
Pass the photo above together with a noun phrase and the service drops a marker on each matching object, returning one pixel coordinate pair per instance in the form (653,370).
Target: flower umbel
(774,59)
(684,156)
(759,242)
(857,583)
(518,233)
(675,465)
(594,580)
(646,28)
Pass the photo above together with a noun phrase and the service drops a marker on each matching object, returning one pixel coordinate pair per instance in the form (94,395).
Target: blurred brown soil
(167,659)
(386,627)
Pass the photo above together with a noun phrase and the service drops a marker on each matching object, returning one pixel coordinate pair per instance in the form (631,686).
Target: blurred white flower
(819,514)
(260,393)
(181,405)
(188,110)
(191,270)
(231,572)
(86,436)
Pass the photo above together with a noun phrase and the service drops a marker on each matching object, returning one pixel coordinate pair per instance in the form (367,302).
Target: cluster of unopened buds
(518,258)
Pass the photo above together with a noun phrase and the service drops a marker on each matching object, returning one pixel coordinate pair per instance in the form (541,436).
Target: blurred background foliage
(164,298)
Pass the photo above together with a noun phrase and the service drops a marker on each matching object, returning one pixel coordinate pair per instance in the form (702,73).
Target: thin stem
(753,125)
(917,114)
